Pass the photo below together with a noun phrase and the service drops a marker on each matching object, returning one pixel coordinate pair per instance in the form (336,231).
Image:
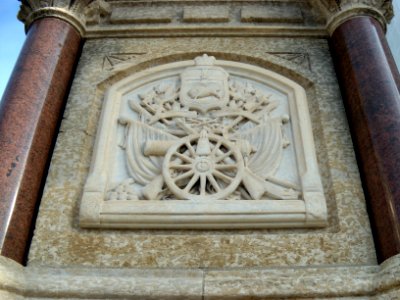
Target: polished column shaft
(370,87)
(29,116)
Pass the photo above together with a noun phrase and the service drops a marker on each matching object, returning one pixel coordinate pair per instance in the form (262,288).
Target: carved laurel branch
(78,13)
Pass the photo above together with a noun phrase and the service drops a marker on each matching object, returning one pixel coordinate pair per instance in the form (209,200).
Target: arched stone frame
(308,211)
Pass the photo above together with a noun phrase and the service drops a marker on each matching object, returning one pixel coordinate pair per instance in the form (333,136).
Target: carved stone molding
(338,11)
(113,59)
(257,282)
(76,12)
(237,17)
(204,144)
(298,58)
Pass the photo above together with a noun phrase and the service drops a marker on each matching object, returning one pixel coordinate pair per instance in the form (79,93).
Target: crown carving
(78,13)
(204,60)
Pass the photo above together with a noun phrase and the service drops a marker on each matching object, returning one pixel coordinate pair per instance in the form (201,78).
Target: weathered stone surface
(123,15)
(346,240)
(216,18)
(258,17)
(213,14)
(271,14)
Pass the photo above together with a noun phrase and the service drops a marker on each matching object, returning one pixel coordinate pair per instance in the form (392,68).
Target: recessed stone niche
(204,143)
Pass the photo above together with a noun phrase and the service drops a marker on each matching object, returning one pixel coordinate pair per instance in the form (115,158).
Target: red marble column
(29,116)
(370,86)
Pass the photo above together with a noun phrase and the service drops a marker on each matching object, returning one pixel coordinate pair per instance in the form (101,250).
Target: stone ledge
(322,282)
(98,17)
(209,30)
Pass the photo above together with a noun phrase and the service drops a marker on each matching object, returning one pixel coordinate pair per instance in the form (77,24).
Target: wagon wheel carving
(203,167)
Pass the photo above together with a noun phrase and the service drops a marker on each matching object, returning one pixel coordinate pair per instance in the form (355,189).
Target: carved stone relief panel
(204,144)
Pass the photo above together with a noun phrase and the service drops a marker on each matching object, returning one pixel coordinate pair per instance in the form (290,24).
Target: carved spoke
(191,149)
(184,175)
(217,145)
(227,154)
(222,176)
(183,157)
(213,182)
(191,182)
(203,182)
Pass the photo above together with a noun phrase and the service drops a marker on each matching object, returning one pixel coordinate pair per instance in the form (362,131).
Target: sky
(13,35)
(393,33)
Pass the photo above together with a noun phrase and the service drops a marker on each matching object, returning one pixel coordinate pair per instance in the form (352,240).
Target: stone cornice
(96,18)
(76,12)
(338,11)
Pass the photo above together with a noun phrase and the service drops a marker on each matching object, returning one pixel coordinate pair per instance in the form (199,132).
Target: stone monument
(178,149)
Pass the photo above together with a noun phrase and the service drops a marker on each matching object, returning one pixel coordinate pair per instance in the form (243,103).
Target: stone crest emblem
(206,139)
(204,86)
(204,143)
